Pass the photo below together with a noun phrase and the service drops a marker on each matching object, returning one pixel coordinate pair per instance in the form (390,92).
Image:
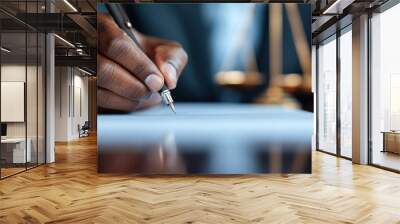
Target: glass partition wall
(22,94)
(13,89)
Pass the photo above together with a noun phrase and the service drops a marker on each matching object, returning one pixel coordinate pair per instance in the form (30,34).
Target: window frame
(378,10)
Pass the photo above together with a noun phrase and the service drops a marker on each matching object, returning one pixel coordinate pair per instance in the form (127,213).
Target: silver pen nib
(167,98)
(171,105)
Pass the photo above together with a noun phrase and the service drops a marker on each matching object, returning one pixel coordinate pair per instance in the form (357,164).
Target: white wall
(33,126)
(15,72)
(81,100)
(61,114)
(70,84)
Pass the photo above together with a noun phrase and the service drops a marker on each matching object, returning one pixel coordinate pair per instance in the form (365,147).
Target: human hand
(129,78)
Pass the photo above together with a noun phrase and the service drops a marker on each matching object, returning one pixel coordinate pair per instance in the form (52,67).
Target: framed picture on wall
(12,101)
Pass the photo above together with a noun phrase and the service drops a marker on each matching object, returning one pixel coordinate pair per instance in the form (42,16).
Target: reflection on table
(206,139)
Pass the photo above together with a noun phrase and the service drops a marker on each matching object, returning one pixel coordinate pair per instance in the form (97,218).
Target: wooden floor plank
(71,191)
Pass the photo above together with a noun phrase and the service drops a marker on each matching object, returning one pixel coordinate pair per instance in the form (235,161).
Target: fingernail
(154,82)
(171,73)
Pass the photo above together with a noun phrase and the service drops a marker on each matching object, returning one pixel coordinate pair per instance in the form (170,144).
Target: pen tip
(172,107)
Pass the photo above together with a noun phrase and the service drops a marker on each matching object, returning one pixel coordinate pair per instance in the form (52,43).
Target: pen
(123,21)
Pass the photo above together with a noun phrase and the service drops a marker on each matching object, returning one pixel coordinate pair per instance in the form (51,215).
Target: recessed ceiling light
(5,50)
(70,5)
(337,7)
(64,40)
(84,71)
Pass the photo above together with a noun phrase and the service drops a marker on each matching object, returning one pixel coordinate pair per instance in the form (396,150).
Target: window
(327,95)
(385,89)
(346,92)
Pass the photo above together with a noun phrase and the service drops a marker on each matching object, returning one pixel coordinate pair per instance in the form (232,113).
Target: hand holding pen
(131,75)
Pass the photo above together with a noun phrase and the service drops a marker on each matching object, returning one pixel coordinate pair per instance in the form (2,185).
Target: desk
(13,150)
(391,141)
(206,139)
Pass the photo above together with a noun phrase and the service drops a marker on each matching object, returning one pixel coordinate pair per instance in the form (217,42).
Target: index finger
(117,46)
(171,59)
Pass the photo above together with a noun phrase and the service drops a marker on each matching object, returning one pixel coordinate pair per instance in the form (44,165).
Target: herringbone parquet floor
(71,191)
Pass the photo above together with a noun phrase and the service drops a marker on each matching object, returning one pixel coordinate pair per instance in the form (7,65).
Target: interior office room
(48,96)
(348,94)
(22,99)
